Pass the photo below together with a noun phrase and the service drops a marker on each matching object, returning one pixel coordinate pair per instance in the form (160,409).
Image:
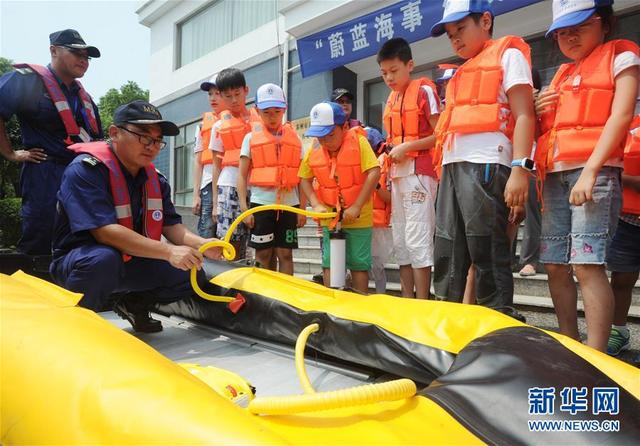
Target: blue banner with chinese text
(363,36)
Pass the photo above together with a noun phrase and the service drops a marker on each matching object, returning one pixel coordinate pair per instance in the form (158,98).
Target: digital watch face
(528,164)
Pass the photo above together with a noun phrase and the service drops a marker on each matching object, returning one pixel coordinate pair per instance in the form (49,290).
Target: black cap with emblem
(140,112)
(70,38)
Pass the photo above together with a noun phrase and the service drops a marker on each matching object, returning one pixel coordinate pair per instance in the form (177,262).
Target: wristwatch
(525,163)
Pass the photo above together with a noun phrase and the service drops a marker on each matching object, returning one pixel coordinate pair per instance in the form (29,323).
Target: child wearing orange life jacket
(484,139)
(623,257)
(382,237)
(347,171)
(203,161)
(584,117)
(269,162)
(228,133)
(410,116)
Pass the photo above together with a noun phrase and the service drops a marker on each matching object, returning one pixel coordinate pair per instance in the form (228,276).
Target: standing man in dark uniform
(113,208)
(54,111)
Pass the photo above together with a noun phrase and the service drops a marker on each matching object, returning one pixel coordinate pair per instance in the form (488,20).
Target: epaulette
(25,70)
(92,161)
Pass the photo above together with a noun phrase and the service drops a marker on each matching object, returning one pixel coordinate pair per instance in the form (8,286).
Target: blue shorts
(206,225)
(624,252)
(579,234)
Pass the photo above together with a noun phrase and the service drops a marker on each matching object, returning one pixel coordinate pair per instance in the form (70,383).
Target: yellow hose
(313,402)
(229,251)
(355,396)
(275,207)
(300,368)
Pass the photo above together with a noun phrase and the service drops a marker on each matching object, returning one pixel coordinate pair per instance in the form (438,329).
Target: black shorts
(274,229)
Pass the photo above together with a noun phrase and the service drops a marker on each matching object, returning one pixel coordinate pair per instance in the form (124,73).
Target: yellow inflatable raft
(70,377)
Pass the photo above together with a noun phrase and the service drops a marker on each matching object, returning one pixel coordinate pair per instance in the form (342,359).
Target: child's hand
(320,208)
(516,215)
(302,220)
(195,208)
(399,152)
(546,101)
(350,214)
(249,221)
(517,188)
(214,253)
(582,191)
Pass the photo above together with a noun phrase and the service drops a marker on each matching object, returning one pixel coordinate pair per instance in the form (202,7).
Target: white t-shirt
(207,169)
(407,167)
(620,63)
(491,147)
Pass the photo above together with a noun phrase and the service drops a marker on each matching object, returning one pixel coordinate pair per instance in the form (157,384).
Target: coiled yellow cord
(229,251)
(301,343)
(313,402)
(275,207)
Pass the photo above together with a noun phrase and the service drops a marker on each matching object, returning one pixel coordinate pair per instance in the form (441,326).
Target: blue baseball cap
(446,75)
(211,83)
(374,137)
(324,117)
(568,13)
(455,10)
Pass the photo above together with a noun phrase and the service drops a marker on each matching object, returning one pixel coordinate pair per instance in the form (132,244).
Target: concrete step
(539,303)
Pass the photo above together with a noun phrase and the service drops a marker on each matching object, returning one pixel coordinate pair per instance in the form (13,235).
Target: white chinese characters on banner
(412,17)
(384,27)
(359,36)
(336,45)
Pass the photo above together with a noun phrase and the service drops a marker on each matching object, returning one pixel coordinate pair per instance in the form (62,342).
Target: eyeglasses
(80,54)
(146,140)
(579,29)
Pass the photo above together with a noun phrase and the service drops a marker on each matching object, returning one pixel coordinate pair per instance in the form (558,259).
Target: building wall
(261,54)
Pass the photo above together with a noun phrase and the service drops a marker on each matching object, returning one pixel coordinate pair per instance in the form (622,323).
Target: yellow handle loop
(229,253)
(301,342)
(313,402)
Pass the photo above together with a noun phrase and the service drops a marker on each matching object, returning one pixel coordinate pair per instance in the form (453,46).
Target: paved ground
(547,320)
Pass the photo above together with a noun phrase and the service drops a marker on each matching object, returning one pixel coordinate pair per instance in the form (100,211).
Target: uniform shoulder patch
(92,161)
(25,70)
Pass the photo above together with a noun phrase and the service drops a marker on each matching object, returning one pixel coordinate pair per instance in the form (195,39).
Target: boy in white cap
(203,162)
(269,161)
(484,139)
(347,171)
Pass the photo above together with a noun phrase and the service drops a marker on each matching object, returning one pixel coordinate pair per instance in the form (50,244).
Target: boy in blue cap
(484,139)
(347,171)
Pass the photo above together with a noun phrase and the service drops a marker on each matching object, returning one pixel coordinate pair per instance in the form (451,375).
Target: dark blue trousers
(98,271)
(39,184)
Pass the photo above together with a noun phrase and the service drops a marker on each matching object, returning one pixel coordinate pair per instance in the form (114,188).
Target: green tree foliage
(10,172)
(114,98)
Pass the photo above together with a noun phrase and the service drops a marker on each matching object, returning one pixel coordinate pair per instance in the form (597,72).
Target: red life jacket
(74,133)
(586,89)
(208,120)
(274,163)
(340,178)
(382,210)
(152,202)
(232,131)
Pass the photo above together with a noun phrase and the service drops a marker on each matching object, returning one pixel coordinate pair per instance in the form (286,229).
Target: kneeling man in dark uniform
(113,207)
